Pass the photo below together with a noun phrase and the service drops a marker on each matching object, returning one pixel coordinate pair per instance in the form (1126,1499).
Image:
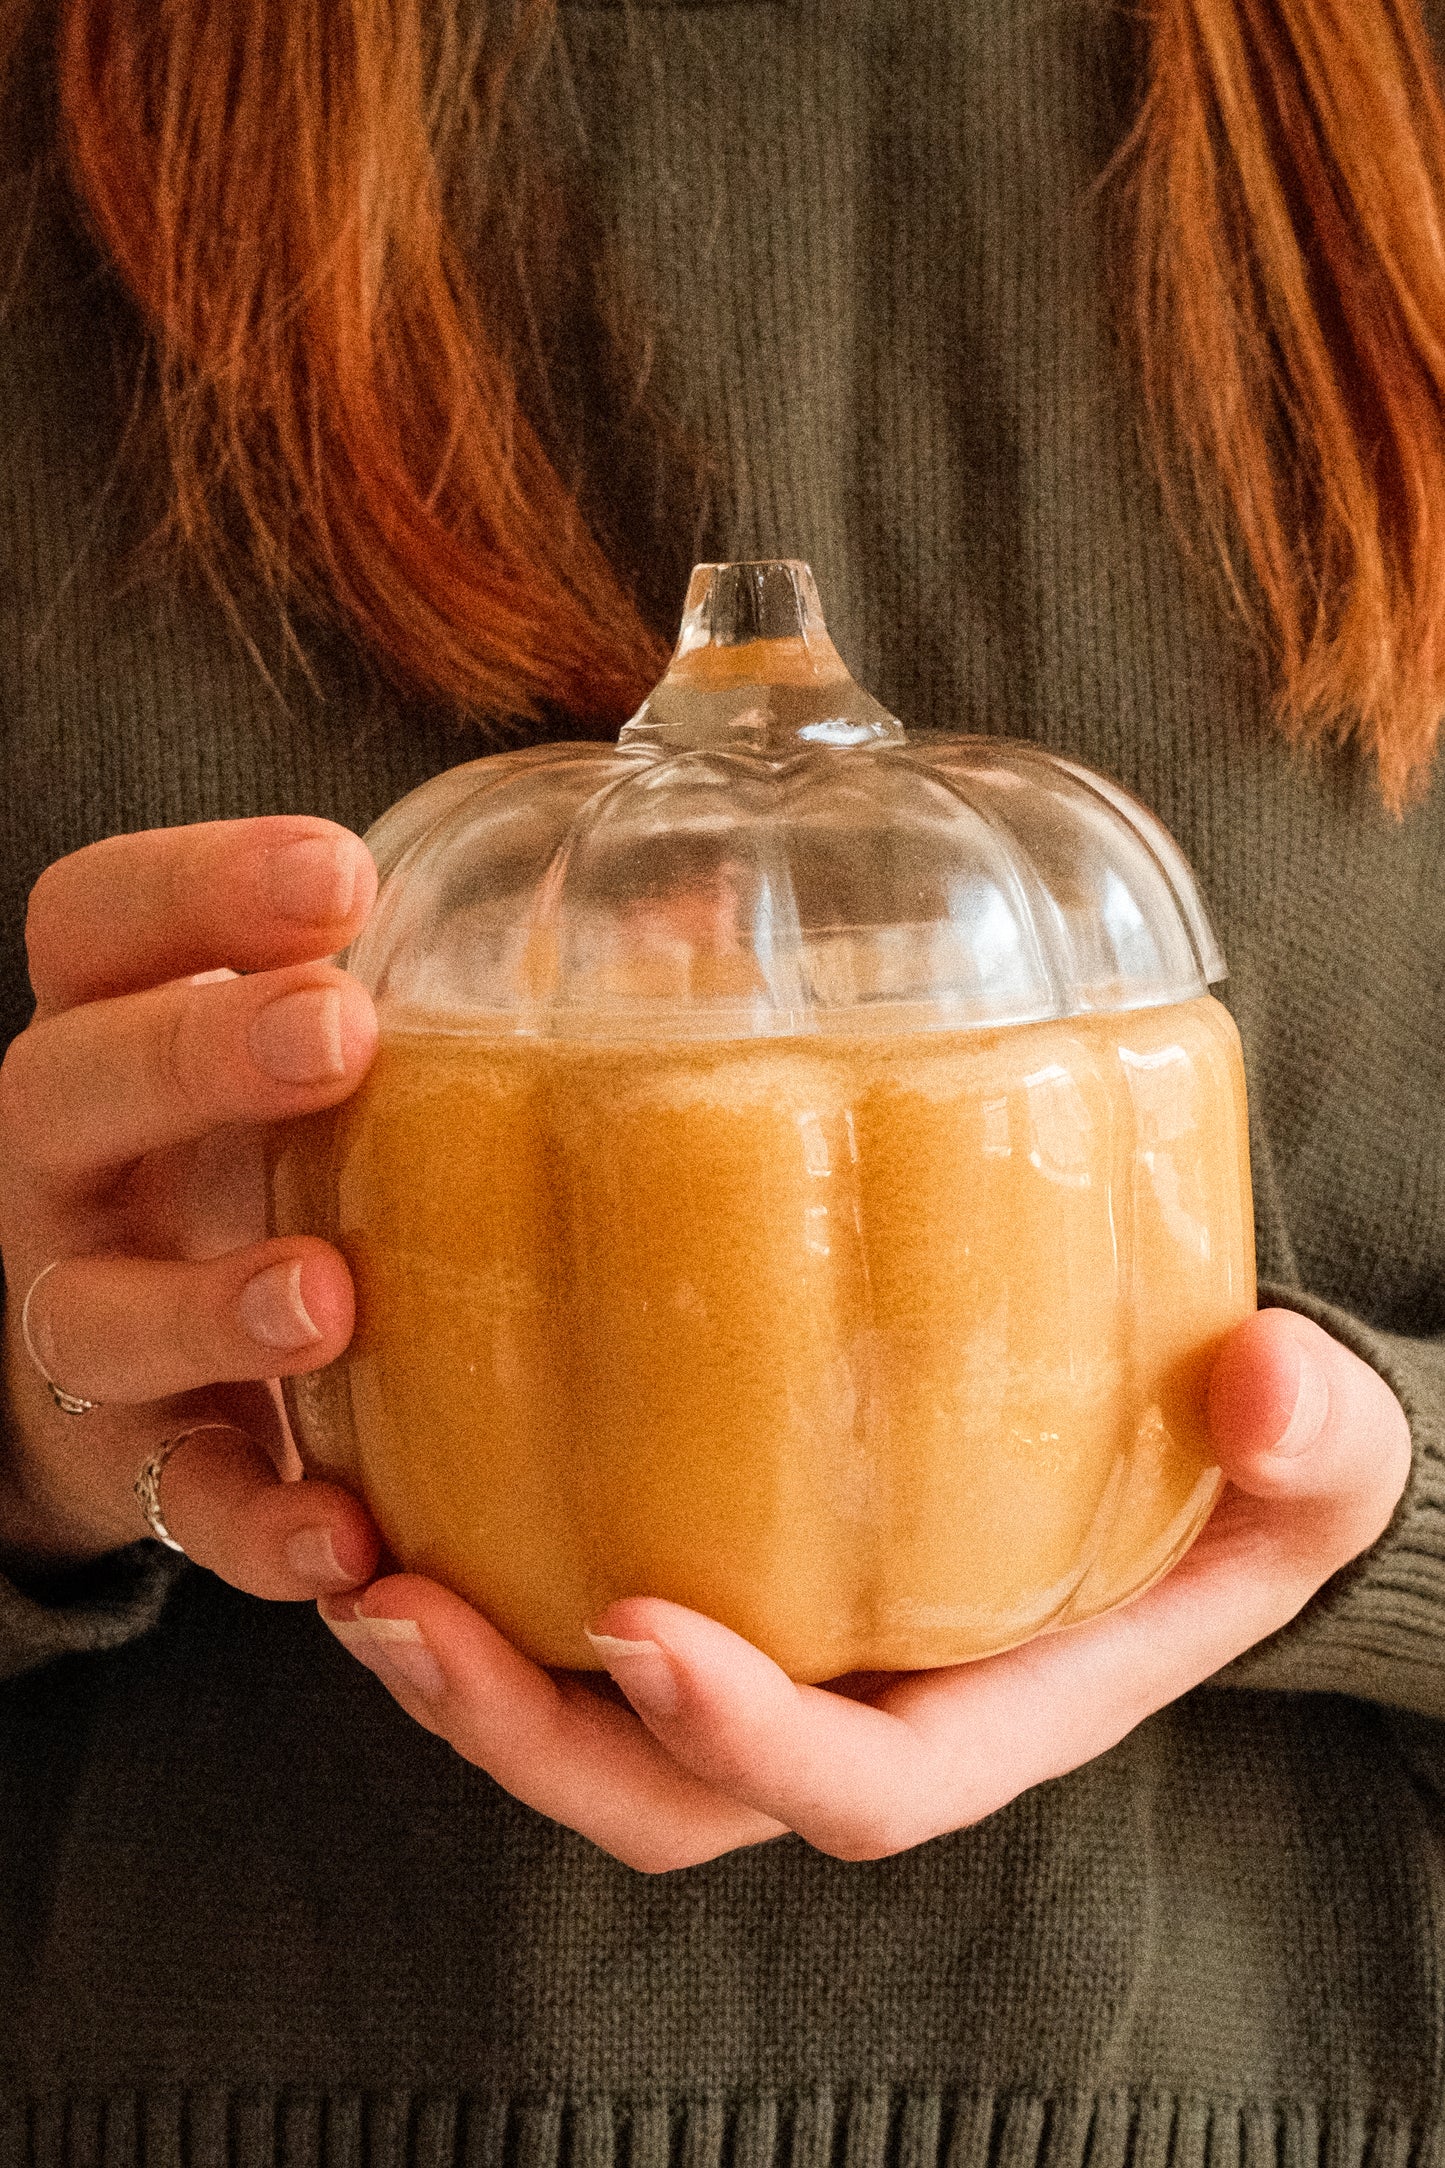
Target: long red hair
(1285,296)
(341,419)
(341,416)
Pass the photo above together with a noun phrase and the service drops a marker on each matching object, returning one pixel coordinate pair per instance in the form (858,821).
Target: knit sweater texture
(249,1914)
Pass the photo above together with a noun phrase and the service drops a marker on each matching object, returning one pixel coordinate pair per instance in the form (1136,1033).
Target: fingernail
(394,1649)
(311,1555)
(314,880)
(1311,1408)
(644,1672)
(297,1040)
(272,1310)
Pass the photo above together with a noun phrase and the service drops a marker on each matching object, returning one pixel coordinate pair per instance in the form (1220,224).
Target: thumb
(1302,1424)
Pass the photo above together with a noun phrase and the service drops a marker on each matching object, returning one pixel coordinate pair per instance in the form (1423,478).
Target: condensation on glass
(803,1176)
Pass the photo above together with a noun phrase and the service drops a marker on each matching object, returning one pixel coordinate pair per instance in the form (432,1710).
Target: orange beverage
(887,1349)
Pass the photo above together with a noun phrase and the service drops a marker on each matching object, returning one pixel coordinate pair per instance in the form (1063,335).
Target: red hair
(1286,300)
(341,419)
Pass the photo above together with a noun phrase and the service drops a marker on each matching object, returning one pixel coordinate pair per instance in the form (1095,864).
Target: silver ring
(147,1484)
(68,1403)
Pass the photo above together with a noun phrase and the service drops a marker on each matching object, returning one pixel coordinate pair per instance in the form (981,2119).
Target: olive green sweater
(249,1914)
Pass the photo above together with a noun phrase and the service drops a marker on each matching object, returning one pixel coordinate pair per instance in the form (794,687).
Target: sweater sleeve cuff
(98,1606)
(1377,1629)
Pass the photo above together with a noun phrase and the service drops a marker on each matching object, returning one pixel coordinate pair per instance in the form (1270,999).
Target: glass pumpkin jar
(803,1175)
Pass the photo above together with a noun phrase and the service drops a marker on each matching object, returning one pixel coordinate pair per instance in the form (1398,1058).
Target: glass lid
(766,850)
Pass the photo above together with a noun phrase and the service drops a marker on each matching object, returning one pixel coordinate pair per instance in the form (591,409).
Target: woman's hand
(729,1752)
(130,1150)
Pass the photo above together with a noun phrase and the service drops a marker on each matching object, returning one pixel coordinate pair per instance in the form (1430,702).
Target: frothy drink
(888,1351)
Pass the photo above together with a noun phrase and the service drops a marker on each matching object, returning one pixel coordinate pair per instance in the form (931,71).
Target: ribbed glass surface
(766,851)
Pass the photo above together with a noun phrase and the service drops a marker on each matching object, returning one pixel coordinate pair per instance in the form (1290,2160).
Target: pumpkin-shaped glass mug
(804,1174)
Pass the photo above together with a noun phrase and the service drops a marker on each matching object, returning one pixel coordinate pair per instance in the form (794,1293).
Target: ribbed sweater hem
(897,2127)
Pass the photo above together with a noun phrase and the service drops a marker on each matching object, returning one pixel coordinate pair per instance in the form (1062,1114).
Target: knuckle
(180,1078)
(1390,1466)
(1394,1424)
(1395,1449)
(865,1836)
(191,1332)
(657,1856)
(13,1070)
(24,1125)
(39,925)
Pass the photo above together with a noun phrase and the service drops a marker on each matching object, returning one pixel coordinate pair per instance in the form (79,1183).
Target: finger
(1324,1447)
(89,1091)
(1299,1420)
(134,911)
(551,1742)
(127,1330)
(852,1777)
(223,1502)
(937,1751)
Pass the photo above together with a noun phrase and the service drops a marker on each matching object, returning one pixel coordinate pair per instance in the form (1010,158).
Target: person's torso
(866,249)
